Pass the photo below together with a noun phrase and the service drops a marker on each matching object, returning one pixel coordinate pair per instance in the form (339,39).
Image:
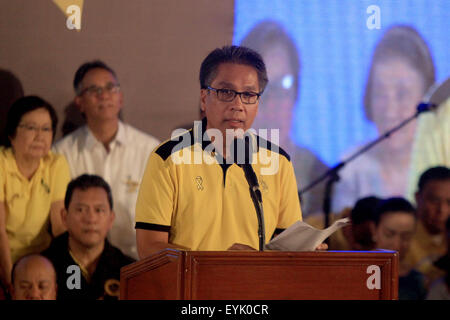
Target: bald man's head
(33,278)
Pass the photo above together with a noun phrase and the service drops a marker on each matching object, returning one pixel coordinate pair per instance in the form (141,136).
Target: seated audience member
(362,215)
(433,209)
(33,181)
(393,228)
(440,288)
(355,236)
(401,71)
(33,277)
(108,147)
(88,216)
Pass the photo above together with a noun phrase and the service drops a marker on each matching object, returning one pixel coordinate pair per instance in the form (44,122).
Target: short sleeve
(60,177)
(156,198)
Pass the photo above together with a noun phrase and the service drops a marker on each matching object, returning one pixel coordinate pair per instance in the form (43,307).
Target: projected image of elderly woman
(401,71)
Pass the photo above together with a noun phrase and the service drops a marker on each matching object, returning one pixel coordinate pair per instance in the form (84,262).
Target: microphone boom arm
(333,173)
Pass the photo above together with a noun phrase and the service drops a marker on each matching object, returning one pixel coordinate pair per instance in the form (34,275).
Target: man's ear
(112,218)
(77,102)
(203,96)
(120,99)
(417,197)
(12,293)
(64,216)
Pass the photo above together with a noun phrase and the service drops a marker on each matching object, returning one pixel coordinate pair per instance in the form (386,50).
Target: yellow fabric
(203,211)
(424,250)
(28,202)
(431,145)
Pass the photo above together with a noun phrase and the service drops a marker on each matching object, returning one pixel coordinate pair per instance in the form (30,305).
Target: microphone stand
(333,174)
(255,193)
(252,180)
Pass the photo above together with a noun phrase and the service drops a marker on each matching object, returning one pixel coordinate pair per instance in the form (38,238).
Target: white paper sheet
(303,237)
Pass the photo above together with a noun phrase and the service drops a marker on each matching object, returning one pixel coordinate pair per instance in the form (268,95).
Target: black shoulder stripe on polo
(171,146)
(271,146)
(152,226)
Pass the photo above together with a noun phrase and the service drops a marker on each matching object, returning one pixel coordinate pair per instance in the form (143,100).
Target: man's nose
(237,103)
(444,209)
(102,93)
(89,215)
(34,293)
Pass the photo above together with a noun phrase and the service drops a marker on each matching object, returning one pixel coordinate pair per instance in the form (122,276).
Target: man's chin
(232,133)
(91,243)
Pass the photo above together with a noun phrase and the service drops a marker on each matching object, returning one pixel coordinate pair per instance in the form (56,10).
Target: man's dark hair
(364,209)
(232,54)
(85,182)
(85,68)
(439,173)
(394,204)
(22,106)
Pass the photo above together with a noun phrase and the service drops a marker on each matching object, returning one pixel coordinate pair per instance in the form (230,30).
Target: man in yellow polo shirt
(193,193)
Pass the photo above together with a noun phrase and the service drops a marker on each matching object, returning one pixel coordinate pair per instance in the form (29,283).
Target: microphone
(436,94)
(251,179)
(425,107)
(242,145)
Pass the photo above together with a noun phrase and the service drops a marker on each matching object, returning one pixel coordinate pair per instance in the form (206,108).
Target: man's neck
(224,148)
(87,257)
(104,131)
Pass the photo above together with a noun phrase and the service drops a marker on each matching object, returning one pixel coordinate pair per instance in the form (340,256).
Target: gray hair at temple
(404,42)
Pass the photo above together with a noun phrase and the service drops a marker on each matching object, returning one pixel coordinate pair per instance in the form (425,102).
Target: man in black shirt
(87,265)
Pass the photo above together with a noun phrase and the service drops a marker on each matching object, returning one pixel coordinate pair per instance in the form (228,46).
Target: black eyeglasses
(228,95)
(94,90)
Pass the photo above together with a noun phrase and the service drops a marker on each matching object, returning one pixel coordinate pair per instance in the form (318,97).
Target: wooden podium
(269,275)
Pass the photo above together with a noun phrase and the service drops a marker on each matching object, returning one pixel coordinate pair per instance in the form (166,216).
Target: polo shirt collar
(91,141)
(11,164)
(205,143)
